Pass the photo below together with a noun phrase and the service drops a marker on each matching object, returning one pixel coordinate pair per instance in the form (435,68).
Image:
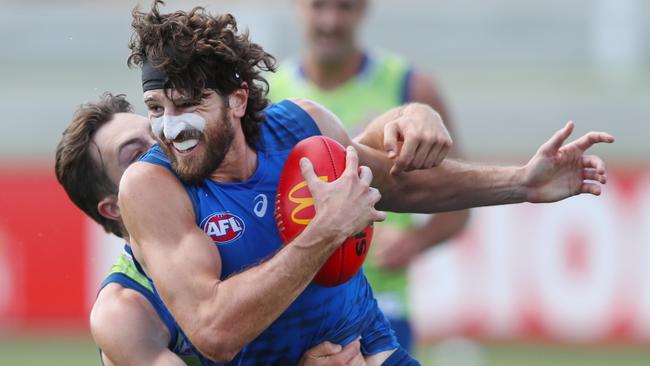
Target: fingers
(379,216)
(439,156)
(350,351)
(591,174)
(351,161)
(307,171)
(355,357)
(373,195)
(591,188)
(593,162)
(358,360)
(391,136)
(406,156)
(365,174)
(418,159)
(556,141)
(324,349)
(591,138)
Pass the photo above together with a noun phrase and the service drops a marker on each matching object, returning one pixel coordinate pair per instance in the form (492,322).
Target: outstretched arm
(554,173)
(220,317)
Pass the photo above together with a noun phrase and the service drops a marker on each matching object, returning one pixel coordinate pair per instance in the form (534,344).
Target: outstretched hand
(556,172)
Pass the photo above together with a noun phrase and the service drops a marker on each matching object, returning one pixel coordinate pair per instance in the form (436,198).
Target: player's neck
(239,164)
(331,75)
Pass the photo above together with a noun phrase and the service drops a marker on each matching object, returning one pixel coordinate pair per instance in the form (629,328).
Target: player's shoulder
(312,107)
(419,84)
(141,177)
(316,111)
(327,122)
(286,123)
(117,308)
(422,80)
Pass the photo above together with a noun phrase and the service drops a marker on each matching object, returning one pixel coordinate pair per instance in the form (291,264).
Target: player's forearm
(454,185)
(246,304)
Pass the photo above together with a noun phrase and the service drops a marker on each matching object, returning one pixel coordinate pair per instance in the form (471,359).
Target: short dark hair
(194,48)
(83,178)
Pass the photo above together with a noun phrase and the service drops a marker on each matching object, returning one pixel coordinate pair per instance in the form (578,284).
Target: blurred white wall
(513,71)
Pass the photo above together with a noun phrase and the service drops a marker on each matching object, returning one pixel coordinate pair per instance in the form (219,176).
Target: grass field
(78,351)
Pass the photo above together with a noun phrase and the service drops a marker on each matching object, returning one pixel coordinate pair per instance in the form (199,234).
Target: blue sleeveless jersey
(238,217)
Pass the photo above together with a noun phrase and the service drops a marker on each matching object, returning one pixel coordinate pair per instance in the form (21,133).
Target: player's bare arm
(220,317)
(129,331)
(554,173)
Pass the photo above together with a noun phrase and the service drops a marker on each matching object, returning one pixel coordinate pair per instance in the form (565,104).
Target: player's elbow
(221,355)
(216,344)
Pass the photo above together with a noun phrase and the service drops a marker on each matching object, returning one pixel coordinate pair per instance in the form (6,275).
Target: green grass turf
(537,355)
(35,350)
(41,350)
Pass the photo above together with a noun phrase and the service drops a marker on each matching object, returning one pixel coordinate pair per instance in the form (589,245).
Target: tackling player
(127,320)
(236,293)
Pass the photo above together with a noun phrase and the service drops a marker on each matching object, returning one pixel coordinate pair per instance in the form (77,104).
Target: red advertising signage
(574,271)
(42,251)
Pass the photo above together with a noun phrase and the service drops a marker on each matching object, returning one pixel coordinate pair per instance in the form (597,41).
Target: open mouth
(186,141)
(185,146)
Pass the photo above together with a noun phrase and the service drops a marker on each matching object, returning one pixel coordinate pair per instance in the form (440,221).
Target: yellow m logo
(303,202)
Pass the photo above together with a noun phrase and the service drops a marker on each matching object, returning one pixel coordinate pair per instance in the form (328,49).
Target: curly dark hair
(83,177)
(193,48)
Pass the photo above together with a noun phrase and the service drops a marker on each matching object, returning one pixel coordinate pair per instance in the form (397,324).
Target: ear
(109,209)
(238,100)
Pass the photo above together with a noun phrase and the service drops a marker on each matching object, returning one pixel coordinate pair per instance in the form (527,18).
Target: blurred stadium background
(563,284)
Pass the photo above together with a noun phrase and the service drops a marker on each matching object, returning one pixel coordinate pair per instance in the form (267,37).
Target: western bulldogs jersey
(238,217)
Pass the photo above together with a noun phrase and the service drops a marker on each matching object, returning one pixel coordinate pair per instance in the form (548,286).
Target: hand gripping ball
(294,207)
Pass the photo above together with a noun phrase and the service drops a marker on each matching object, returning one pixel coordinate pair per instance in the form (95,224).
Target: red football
(294,207)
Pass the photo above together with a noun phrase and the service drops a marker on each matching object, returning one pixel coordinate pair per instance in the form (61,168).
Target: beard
(216,140)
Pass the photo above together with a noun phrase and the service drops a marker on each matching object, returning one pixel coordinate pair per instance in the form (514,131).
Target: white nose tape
(171,126)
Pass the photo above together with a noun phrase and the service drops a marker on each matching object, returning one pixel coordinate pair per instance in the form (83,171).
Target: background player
(357,85)
(127,320)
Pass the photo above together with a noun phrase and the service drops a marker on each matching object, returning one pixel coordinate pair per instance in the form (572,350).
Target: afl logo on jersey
(223,227)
